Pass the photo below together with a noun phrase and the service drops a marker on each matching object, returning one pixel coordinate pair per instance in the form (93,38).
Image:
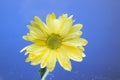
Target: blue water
(101,20)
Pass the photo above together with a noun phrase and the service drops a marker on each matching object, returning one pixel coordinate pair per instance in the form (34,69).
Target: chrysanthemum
(57,40)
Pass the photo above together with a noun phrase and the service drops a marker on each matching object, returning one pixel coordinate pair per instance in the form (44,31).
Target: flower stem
(43,73)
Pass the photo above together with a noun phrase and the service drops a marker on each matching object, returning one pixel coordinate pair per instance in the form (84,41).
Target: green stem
(43,73)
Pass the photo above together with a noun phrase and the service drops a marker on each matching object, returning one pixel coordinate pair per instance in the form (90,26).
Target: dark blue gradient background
(101,20)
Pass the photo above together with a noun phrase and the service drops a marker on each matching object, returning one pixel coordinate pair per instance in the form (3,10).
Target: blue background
(101,20)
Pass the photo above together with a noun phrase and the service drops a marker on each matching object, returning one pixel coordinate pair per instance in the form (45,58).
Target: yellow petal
(40,26)
(51,61)
(44,60)
(29,37)
(37,60)
(40,42)
(74,32)
(63,59)
(81,48)
(72,35)
(66,24)
(39,50)
(66,27)
(23,49)
(57,24)
(35,48)
(37,19)
(83,54)
(34,34)
(76,27)
(33,38)
(49,22)
(26,53)
(38,33)
(30,57)
(74,53)
(53,23)
(76,42)
(62,19)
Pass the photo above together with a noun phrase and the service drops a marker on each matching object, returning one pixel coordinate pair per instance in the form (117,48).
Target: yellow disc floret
(54,41)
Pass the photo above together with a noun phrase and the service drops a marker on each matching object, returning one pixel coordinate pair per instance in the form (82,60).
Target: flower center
(54,41)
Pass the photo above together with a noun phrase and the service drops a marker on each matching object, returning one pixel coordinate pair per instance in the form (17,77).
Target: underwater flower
(57,40)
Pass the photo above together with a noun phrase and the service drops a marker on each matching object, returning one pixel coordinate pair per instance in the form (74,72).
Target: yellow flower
(57,40)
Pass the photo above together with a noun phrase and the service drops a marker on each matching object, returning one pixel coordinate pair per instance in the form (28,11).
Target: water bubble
(51,76)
